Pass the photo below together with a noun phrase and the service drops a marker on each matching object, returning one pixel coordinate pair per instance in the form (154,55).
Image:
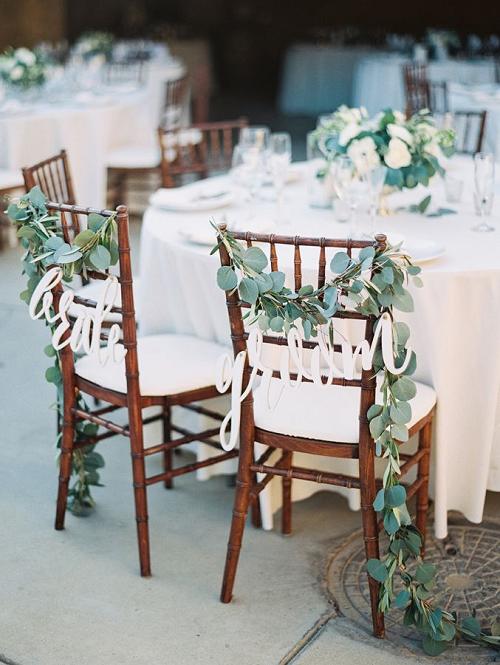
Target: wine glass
(278,160)
(255,136)
(343,175)
(376,180)
(484,180)
(247,171)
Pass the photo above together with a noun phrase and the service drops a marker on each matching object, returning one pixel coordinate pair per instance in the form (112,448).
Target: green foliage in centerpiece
(412,149)
(94,44)
(22,68)
(94,248)
(274,307)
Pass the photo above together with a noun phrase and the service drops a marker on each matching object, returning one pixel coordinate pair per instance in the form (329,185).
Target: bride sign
(86,325)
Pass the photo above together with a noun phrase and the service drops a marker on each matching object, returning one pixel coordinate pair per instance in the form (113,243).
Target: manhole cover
(468,579)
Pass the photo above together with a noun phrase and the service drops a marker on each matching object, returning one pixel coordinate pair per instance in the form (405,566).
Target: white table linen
(87,126)
(454,327)
(378,79)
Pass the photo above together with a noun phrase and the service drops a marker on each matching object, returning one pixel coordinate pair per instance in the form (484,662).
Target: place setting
(251,269)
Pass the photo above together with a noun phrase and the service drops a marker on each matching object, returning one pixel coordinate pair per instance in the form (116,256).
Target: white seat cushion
(93,291)
(10,179)
(168,364)
(327,413)
(134,157)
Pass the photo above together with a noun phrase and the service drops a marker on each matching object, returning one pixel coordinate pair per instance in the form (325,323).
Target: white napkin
(197,197)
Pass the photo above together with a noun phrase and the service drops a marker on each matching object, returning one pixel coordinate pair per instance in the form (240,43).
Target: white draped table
(454,327)
(378,79)
(88,126)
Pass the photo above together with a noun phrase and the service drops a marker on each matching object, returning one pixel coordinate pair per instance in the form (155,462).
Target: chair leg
(370,526)
(65,462)
(139,484)
(424,442)
(286,488)
(167,454)
(240,509)
(255,508)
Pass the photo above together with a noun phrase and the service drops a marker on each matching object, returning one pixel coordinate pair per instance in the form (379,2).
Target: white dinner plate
(422,251)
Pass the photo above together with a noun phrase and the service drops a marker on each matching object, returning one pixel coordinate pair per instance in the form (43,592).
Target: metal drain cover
(468,564)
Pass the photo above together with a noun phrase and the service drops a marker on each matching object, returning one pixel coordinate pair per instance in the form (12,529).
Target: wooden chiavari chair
(438,97)
(158,370)
(139,161)
(469,128)
(345,404)
(201,150)
(416,87)
(124,72)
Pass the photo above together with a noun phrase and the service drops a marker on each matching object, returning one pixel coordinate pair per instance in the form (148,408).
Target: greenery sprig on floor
(277,308)
(94,248)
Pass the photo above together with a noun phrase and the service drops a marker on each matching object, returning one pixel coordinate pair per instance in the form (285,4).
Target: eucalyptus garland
(372,283)
(94,248)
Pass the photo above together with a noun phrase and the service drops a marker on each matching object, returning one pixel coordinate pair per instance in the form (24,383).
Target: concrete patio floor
(76,598)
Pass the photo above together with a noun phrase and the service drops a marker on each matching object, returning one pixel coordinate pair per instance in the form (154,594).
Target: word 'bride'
(322,368)
(85,334)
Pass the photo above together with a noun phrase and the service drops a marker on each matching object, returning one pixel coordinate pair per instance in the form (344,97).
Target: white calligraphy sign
(322,366)
(86,328)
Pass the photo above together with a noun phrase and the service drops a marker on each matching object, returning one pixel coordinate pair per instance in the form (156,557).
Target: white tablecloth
(317,79)
(454,327)
(87,127)
(378,79)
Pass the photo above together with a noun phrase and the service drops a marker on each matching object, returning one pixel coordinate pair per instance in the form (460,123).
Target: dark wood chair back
(416,87)
(53,176)
(124,72)
(469,127)
(177,95)
(274,242)
(201,149)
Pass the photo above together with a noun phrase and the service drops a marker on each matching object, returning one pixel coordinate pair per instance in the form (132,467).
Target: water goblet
(279,158)
(484,181)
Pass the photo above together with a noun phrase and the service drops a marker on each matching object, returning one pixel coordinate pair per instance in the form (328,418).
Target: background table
(378,79)
(454,327)
(88,126)
(317,79)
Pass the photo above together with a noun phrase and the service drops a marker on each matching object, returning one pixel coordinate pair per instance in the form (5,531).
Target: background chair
(124,72)
(469,128)
(142,159)
(160,370)
(344,404)
(201,150)
(421,93)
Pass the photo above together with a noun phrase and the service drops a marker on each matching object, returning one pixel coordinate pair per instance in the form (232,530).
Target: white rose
(398,132)
(399,117)
(398,154)
(348,133)
(25,56)
(16,73)
(364,155)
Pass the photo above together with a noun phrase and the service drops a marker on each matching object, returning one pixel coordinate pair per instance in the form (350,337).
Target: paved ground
(75,597)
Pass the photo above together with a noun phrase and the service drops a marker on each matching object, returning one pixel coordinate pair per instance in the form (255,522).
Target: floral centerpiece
(23,69)
(94,44)
(413,149)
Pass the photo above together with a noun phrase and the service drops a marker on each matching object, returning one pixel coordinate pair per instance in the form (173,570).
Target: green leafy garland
(278,308)
(94,248)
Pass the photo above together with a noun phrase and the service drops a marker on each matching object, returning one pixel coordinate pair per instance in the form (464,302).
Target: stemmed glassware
(376,180)
(278,162)
(248,163)
(484,180)
(343,176)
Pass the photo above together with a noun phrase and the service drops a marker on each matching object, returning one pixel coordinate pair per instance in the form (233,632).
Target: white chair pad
(10,179)
(168,364)
(327,413)
(134,157)
(93,291)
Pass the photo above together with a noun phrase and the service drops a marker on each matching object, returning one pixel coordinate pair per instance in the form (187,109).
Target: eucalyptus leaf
(377,570)
(340,262)
(249,291)
(227,279)
(100,257)
(255,259)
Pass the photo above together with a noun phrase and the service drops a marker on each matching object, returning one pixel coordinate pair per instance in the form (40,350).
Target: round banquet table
(88,125)
(454,326)
(378,79)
